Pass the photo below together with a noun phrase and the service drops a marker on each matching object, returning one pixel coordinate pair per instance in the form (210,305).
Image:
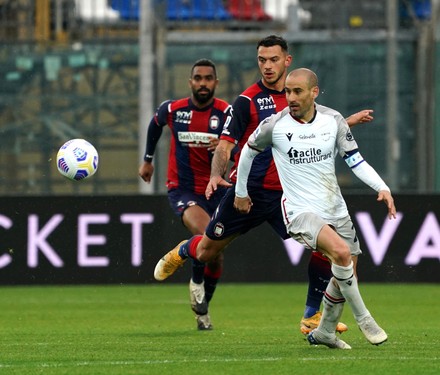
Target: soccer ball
(77,159)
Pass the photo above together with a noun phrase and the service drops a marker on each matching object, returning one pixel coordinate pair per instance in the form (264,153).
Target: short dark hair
(273,40)
(204,62)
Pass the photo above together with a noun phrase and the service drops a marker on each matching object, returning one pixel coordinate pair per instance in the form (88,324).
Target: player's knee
(341,255)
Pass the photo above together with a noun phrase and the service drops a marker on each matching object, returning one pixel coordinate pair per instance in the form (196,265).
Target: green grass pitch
(150,329)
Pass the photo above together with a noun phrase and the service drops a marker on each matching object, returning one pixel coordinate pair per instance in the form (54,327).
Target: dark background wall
(119,239)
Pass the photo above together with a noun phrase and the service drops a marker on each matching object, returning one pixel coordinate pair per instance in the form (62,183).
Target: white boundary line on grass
(220,360)
(351,358)
(134,363)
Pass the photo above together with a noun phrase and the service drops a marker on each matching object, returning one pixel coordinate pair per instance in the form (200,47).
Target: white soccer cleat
(333,342)
(371,330)
(204,322)
(197,297)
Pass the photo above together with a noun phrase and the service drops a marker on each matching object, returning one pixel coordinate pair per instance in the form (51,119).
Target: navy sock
(210,285)
(189,248)
(198,271)
(309,311)
(183,250)
(320,273)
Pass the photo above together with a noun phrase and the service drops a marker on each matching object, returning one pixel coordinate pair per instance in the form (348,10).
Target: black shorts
(226,221)
(181,199)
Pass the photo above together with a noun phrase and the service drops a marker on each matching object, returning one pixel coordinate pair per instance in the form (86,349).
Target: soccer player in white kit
(305,138)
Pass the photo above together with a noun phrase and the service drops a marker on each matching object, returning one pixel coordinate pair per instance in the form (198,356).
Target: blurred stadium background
(97,69)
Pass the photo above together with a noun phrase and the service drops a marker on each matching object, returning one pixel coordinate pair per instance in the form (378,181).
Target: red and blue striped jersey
(189,161)
(254,105)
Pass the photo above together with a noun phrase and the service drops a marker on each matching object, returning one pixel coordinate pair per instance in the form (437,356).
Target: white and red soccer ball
(77,159)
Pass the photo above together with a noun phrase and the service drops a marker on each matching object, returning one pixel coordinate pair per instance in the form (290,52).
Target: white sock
(333,302)
(349,288)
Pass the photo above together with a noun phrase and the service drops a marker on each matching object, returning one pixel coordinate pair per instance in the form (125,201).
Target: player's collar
(308,122)
(191,105)
(267,89)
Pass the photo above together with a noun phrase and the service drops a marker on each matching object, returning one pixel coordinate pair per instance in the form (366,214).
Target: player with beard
(196,123)
(257,102)
(314,210)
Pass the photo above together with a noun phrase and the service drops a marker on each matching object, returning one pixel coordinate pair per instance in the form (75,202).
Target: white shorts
(306,227)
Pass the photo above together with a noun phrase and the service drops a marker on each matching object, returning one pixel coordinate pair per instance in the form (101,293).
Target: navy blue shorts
(266,206)
(181,199)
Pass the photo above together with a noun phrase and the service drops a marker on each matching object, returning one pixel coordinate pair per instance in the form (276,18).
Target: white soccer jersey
(304,154)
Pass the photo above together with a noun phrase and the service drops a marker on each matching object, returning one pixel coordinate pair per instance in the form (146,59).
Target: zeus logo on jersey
(266,103)
(312,155)
(183,117)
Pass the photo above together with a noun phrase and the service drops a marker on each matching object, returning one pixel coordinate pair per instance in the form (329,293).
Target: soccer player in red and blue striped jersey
(260,100)
(196,123)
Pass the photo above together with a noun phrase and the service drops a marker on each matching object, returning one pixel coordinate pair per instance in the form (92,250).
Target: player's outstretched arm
(369,176)
(146,171)
(219,165)
(213,184)
(213,143)
(242,201)
(154,133)
(360,117)
(243,205)
(387,198)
